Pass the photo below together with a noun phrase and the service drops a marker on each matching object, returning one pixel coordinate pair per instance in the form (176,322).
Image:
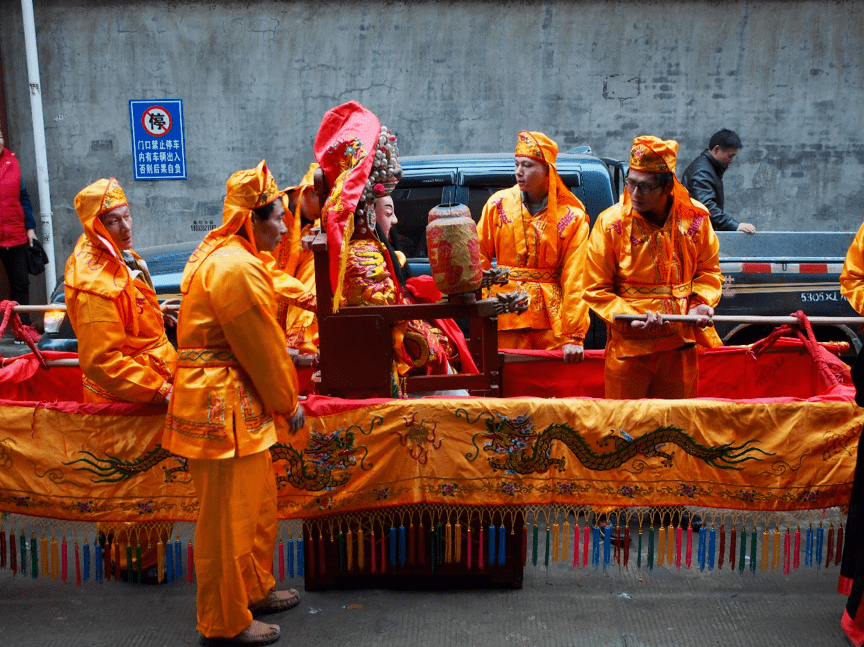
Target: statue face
(384,214)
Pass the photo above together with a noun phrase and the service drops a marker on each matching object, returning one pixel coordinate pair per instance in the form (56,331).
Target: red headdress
(345,149)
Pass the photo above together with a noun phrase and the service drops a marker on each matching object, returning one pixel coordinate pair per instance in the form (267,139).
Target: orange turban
(539,147)
(91,202)
(246,190)
(536,146)
(653,155)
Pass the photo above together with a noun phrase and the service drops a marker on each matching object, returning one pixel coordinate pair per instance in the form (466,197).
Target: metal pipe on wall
(45,213)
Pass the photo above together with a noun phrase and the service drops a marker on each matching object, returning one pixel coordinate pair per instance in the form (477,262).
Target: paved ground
(560,606)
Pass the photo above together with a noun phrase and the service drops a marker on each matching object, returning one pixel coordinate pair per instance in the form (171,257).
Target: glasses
(641,186)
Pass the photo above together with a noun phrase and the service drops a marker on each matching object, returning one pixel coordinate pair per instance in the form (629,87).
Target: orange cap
(537,146)
(653,155)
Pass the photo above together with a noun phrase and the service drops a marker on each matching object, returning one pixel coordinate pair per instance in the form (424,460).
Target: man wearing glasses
(653,253)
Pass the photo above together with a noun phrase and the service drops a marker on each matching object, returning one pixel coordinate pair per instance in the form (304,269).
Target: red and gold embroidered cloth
(760,442)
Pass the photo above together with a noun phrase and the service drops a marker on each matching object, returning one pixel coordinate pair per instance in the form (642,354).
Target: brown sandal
(255,635)
(275,602)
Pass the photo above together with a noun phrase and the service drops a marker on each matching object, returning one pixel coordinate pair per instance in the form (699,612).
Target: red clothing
(12,230)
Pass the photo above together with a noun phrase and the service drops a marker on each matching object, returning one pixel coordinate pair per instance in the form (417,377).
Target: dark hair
(725,139)
(663,178)
(400,275)
(265,211)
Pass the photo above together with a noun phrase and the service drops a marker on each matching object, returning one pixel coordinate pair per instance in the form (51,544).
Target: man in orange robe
(122,348)
(852,276)
(302,214)
(653,253)
(236,384)
(851,581)
(537,229)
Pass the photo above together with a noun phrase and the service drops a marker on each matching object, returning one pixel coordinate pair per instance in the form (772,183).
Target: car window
(412,206)
(478,196)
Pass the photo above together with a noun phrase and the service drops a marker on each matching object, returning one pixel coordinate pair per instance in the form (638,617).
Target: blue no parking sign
(158,145)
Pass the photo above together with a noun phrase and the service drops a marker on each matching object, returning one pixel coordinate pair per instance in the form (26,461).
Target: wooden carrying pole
(752,319)
(61,307)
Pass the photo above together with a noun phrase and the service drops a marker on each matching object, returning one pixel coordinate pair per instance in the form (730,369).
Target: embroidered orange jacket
(633,266)
(545,253)
(234,375)
(852,276)
(122,347)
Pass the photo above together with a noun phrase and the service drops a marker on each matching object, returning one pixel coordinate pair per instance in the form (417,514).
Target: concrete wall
(256,77)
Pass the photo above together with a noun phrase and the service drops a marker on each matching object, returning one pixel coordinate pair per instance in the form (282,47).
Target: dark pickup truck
(780,272)
(767,273)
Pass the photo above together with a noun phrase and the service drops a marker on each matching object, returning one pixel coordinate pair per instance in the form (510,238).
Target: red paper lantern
(454,250)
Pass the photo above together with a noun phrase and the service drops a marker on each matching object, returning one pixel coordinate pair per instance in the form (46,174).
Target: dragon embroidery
(517,447)
(325,456)
(114,470)
(313,469)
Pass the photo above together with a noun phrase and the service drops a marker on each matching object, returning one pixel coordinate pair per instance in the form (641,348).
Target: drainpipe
(45,214)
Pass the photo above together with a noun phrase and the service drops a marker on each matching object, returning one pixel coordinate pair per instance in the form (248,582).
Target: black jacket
(704,180)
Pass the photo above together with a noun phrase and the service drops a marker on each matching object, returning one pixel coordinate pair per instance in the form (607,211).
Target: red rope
(23,332)
(808,339)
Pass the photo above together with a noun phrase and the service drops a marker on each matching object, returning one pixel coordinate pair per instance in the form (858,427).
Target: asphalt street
(556,606)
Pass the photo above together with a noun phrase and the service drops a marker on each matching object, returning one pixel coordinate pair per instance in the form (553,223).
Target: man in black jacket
(704,179)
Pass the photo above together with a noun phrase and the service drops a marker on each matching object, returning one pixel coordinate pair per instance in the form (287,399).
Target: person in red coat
(17,227)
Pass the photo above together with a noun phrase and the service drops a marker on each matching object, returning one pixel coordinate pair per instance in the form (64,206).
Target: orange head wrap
(537,146)
(245,190)
(653,155)
(91,202)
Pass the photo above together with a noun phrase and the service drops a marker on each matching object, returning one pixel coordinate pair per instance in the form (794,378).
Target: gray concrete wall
(256,77)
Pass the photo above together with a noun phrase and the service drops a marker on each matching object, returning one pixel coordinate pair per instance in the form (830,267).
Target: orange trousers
(234,540)
(530,339)
(667,375)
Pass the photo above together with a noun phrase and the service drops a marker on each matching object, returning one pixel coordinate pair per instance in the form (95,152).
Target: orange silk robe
(124,353)
(233,371)
(852,276)
(633,266)
(545,254)
(298,318)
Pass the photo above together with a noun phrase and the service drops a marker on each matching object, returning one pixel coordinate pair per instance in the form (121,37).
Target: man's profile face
(118,222)
(268,232)
(724,155)
(385,215)
(532,176)
(310,206)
